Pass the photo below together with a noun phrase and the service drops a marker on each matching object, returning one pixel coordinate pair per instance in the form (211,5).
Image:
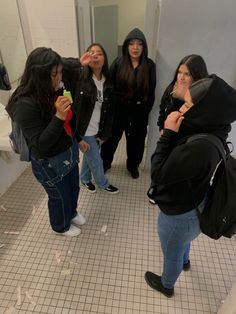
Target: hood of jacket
(213,112)
(136,33)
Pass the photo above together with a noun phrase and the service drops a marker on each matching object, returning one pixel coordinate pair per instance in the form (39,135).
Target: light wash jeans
(176,233)
(92,164)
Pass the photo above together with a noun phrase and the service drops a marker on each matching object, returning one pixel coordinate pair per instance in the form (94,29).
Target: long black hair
(196,66)
(36,79)
(126,78)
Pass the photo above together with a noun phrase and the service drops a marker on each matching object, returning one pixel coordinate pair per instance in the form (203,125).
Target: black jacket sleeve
(162,111)
(172,164)
(71,73)
(37,132)
(168,104)
(107,113)
(113,70)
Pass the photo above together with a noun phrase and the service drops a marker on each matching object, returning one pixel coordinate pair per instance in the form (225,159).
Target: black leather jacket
(84,94)
(84,102)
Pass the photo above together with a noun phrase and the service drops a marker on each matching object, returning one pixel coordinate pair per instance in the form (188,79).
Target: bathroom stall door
(105,28)
(82,13)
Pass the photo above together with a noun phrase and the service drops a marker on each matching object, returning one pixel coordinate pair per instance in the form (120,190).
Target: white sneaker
(78,220)
(72,232)
(151,201)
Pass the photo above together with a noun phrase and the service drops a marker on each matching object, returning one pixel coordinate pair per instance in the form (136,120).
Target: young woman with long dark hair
(190,69)
(93,92)
(49,126)
(134,78)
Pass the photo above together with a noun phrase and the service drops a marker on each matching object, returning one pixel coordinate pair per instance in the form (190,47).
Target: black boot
(132,170)
(134,173)
(187,266)
(154,281)
(106,167)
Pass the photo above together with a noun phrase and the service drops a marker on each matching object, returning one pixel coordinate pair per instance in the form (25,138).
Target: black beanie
(199,89)
(215,109)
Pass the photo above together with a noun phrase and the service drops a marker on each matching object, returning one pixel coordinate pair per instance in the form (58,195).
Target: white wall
(50,24)
(202,27)
(12,46)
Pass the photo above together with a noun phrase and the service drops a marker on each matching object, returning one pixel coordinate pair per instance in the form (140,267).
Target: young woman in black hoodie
(181,172)
(134,78)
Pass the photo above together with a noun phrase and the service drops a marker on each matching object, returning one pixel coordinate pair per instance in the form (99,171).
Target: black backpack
(18,142)
(218,217)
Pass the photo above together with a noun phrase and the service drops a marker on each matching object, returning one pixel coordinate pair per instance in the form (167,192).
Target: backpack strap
(224,152)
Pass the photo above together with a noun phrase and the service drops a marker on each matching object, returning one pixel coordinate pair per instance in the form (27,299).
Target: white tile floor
(41,272)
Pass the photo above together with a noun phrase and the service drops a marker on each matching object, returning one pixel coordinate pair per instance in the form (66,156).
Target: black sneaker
(112,189)
(154,281)
(106,168)
(90,187)
(134,173)
(187,266)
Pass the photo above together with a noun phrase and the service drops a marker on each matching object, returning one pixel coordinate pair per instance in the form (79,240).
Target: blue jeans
(92,164)
(176,233)
(59,176)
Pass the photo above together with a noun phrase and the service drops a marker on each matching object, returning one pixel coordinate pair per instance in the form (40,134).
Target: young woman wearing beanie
(181,171)
(190,69)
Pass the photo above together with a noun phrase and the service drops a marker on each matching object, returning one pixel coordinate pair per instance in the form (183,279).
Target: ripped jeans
(59,176)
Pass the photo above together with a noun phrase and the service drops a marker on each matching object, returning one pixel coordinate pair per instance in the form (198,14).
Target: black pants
(135,128)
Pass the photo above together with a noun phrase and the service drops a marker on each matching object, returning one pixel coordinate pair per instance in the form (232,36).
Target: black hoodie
(213,113)
(136,104)
(135,34)
(176,163)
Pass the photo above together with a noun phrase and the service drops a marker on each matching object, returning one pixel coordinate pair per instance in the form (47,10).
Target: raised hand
(173,121)
(86,58)
(179,90)
(62,106)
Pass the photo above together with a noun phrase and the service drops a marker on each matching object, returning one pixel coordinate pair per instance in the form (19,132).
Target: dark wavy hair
(196,66)
(36,79)
(126,78)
